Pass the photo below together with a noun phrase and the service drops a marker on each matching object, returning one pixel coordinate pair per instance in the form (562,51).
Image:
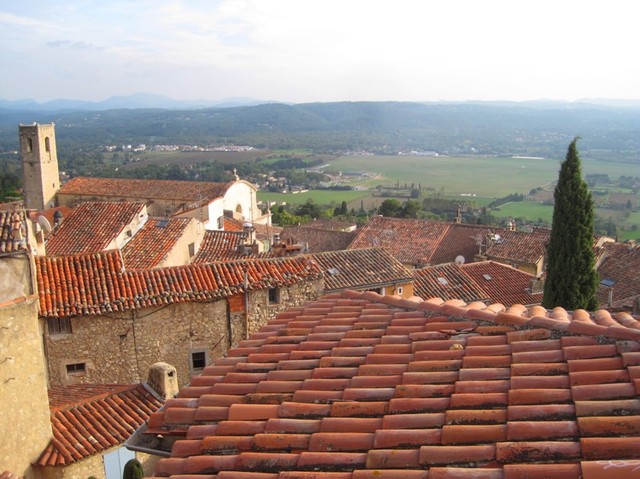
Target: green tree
(133,470)
(390,207)
(572,281)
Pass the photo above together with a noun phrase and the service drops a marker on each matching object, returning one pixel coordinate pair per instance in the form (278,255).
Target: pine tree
(572,281)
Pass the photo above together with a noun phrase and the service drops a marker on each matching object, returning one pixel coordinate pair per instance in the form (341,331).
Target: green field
(491,177)
(321,197)
(525,209)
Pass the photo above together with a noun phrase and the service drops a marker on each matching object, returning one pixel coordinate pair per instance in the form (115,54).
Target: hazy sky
(326,50)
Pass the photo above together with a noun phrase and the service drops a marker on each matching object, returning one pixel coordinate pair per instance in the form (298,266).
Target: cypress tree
(572,281)
(133,470)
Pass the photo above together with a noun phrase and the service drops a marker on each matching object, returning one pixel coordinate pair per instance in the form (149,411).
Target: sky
(320,50)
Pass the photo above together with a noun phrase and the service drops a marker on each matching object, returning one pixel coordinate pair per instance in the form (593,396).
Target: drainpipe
(246,303)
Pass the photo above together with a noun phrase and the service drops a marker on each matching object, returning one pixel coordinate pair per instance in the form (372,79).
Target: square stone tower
(40,174)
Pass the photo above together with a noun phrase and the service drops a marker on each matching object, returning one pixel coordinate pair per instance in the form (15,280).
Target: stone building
(105,324)
(24,424)
(40,174)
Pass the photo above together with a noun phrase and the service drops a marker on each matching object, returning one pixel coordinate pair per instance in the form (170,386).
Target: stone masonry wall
(24,405)
(120,348)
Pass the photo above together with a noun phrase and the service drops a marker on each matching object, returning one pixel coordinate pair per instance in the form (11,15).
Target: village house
(360,386)
(164,242)
(368,269)
(485,281)
(619,268)
(53,433)
(91,421)
(417,243)
(25,423)
(108,324)
(96,226)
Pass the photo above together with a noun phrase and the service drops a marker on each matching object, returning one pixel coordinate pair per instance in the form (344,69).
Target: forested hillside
(537,129)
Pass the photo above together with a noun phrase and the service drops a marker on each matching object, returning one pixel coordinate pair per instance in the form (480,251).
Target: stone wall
(24,421)
(120,348)
(261,310)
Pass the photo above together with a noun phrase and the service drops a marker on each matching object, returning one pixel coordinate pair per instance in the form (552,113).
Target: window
(198,360)
(399,290)
(59,325)
(47,146)
(77,368)
(274,295)
(192,250)
(221,222)
(29,145)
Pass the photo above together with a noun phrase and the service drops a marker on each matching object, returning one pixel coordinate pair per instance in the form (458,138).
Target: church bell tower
(40,174)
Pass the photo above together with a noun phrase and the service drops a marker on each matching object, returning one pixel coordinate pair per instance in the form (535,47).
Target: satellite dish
(44,223)
(459,259)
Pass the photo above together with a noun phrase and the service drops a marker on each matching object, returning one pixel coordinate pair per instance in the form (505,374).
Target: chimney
(163,379)
(250,232)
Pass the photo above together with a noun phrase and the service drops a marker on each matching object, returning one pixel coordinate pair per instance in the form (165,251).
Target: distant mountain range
(149,100)
(135,101)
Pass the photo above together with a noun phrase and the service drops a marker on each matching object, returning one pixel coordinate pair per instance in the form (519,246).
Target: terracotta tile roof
(620,264)
(232,224)
(145,190)
(360,268)
(357,385)
(91,226)
(97,283)
(519,247)
(13,231)
(503,284)
(447,281)
(88,419)
(316,240)
(410,241)
(220,246)
(423,242)
(150,245)
(486,281)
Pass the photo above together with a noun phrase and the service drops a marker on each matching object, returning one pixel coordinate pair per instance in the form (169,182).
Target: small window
(77,368)
(59,325)
(29,145)
(192,249)
(198,360)
(274,295)
(221,222)
(400,290)
(47,145)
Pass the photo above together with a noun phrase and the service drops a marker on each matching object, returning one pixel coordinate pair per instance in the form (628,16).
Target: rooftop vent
(442,281)
(487,277)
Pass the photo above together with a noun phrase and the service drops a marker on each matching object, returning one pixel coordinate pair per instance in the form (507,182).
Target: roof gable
(356,385)
(91,226)
(88,419)
(150,245)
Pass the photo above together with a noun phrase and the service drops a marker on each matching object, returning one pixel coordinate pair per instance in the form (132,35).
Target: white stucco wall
(242,194)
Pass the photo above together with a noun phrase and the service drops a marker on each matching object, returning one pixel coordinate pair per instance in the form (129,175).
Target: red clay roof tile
(108,287)
(484,406)
(88,419)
